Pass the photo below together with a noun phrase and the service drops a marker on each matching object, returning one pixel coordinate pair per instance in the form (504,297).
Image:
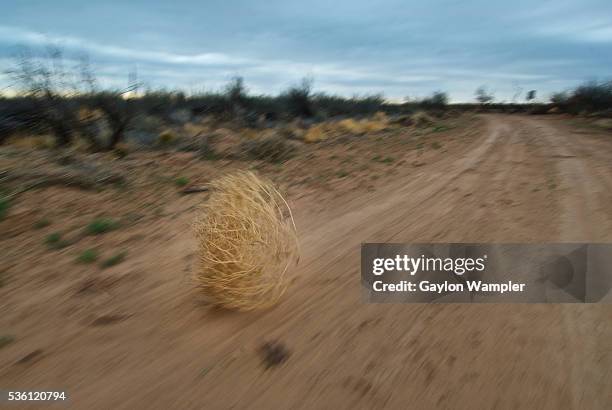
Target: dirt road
(524,179)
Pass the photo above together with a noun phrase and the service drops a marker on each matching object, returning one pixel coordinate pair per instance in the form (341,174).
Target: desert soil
(138,335)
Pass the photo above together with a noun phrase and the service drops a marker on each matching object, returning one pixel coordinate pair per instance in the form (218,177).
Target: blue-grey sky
(399,48)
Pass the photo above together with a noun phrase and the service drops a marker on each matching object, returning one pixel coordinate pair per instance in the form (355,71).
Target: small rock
(273,353)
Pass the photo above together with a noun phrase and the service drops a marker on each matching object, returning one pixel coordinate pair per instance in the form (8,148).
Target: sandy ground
(155,343)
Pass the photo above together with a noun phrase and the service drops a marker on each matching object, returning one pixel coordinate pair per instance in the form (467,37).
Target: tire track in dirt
(584,209)
(585,217)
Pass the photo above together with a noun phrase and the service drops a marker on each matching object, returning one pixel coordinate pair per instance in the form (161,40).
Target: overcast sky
(399,48)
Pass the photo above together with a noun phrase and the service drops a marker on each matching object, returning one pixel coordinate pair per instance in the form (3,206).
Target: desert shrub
(268,108)
(101,225)
(55,241)
(119,114)
(380,117)
(236,94)
(273,148)
(346,126)
(162,104)
(214,104)
(437,101)
(560,98)
(292,132)
(116,259)
(121,150)
(483,96)
(404,120)
(181,181)
(166,137)
(56,95)
(377,123)
(6,340)
(538,109)
(333,106)
(422,119)
(247,242)
(350,126)
(52,238)
(180,116)
(439,128)
(315,133)
(88,256)
(46,83)
(4,206)
(145,130)
(42,223)
(591,97)
(298,99)
(20,115)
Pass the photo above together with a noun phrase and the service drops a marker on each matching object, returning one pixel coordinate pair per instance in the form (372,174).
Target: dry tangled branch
(247,242)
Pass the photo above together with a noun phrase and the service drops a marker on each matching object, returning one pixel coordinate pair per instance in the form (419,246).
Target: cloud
(348,47)
(32,38)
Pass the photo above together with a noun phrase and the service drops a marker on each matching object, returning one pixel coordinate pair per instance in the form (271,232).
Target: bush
(236,93)
(298,100)
(315,133)
(422,119)
(350,126)
(121,150)
(6,340)
(181,181)
(101,225)
(114,260)
(591,97)
(4,207)
(333,106)
(560,99)
(403,120)
(166,137)
(42,223)
(483,96)
(88,256)
(54,241)
(273,148)
(437,101)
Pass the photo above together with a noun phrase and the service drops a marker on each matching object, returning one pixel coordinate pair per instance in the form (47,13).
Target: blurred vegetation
(116,259)
(589,98)
(66,103)
(88,256)
(101,225)
(181,181)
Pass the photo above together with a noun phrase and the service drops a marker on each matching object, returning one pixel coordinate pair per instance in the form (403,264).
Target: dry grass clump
(377,124)
(348,126)
(422,119)
(247,242)
(315,133)
(32,142)
(273,148)
(166,137)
